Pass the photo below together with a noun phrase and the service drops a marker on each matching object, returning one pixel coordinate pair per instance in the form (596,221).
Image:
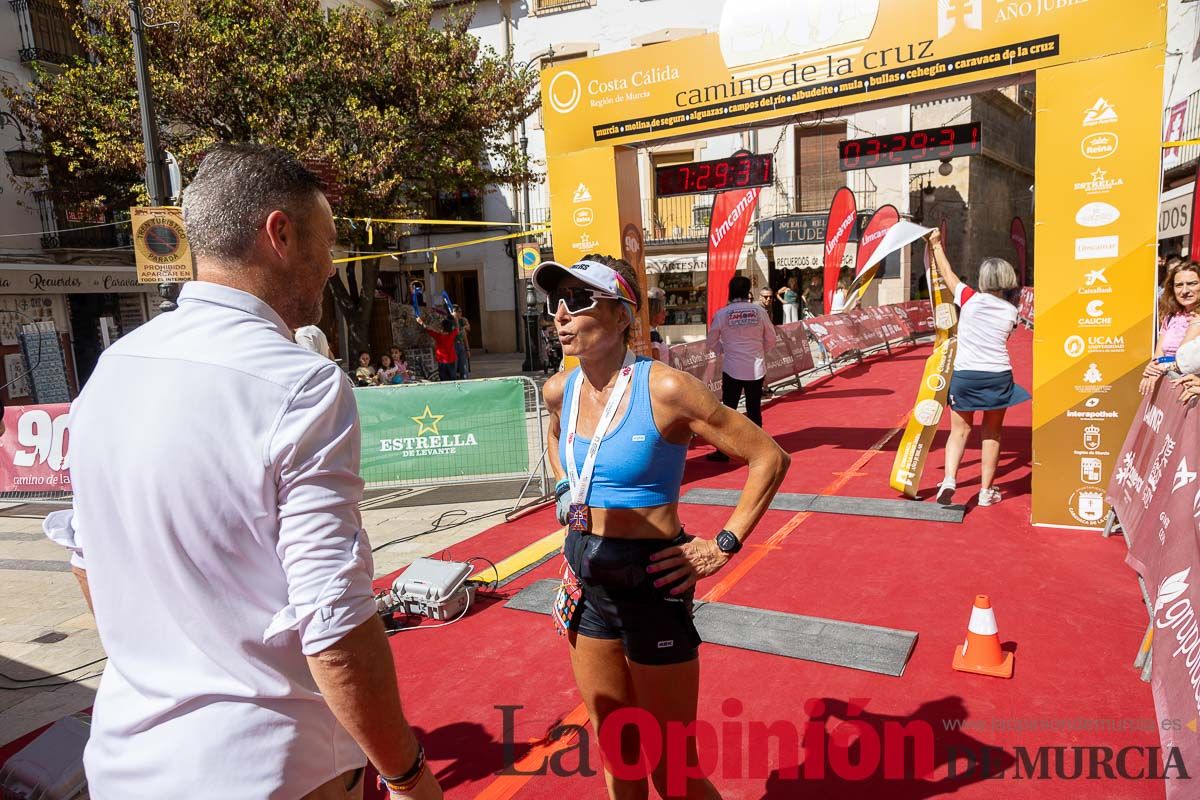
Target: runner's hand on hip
(685,564)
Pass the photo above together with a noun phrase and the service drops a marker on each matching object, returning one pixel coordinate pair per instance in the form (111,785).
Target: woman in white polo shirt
(983,379)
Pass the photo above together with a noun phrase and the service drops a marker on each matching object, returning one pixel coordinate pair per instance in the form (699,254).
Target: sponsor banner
(34,448)
(794,336)
(1156,496)
(1016,232)
(695,359)
(869,249)
(837,234)
(909,464)
(839,334)
(1194,241)
(1025,306)
(1096,222)
(727,227)
(433,431)
(773,59)
(1174,133)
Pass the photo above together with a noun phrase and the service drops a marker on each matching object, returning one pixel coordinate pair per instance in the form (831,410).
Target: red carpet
(1064,601)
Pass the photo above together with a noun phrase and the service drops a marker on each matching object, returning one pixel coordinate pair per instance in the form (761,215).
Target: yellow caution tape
(1184,143)
(501,238)
(460,222)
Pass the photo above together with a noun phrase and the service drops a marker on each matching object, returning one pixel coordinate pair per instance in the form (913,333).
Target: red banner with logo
(1016,232)
(1194,241)
(838,227)
(1156,496)
(872,236)
(731,214)
(1174,133)
(33,450)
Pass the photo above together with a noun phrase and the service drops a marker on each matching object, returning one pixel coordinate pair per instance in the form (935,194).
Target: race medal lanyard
(579,516)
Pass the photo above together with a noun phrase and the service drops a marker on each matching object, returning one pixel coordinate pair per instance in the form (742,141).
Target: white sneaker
(989,497)
(945,492)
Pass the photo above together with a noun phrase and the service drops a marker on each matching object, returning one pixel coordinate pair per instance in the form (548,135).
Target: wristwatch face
(728,542)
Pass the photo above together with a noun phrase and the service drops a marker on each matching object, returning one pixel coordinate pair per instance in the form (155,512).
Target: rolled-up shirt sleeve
(324,550)
(59,527)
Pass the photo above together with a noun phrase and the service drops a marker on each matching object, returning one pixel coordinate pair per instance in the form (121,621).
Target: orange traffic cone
(981,651)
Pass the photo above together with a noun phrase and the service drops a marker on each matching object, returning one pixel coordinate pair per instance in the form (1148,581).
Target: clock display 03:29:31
(931,144)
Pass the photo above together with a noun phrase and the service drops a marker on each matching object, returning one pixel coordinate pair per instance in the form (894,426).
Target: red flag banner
(842,214)
(1194,241)
(872,236)
(731,214)
(1016,232)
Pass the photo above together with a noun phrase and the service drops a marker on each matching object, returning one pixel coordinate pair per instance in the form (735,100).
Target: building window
(464,204)
(46,33)
(817,174)
(550,6)
(67,224)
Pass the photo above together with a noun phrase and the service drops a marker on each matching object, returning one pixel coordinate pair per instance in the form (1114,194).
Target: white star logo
(428,422)
(1098,175)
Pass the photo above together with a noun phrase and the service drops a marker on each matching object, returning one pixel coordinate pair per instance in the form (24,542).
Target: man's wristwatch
(727,542)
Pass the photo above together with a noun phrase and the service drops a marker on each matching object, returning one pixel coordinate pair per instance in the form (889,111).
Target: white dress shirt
(215,469)
(743,332)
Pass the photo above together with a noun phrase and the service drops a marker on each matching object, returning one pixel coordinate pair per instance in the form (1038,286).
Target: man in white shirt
(311,337)
(743,333)
(215,469)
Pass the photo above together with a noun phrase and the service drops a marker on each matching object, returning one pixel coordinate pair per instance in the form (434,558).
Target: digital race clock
(739,171)
(933,144)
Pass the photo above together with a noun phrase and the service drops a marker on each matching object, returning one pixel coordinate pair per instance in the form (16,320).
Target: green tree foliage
(393,106)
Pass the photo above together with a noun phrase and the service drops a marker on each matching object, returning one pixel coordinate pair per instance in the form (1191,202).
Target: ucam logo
(564,92)
(1097,215)
(1074,346)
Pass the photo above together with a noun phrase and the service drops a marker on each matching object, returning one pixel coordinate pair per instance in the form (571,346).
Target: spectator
(743,332)
(387,371)
(1178,302)
(401,364)
(364,373)
(982,379)
(229,571)
(789,295)
(462,347)
(311,337)
(840,296)
(444,350)
(657,308)
(816,297)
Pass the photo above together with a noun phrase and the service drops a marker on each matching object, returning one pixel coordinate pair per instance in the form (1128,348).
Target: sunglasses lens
(577,299)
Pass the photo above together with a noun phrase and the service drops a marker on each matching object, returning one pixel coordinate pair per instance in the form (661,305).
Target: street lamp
(533,356)
(23,162)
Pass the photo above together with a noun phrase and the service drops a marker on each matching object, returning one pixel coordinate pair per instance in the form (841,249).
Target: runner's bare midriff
(658,522)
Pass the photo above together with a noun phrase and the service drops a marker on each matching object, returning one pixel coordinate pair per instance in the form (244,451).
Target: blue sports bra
(636,467)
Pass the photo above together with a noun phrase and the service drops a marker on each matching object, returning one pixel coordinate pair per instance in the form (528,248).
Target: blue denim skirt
(973,390)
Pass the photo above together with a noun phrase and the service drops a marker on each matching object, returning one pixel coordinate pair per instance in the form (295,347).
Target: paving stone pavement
(46,628)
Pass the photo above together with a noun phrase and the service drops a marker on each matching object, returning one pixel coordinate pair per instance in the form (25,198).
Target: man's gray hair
(235,190)
(996,275)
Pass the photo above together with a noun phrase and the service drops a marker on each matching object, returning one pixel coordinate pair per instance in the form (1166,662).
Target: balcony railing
(46,33)
(548,6)
(77,227)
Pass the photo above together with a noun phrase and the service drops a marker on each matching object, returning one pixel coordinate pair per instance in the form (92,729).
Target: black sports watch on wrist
(727,542)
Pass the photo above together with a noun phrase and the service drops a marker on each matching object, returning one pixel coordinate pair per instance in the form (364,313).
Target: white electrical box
(435,589)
